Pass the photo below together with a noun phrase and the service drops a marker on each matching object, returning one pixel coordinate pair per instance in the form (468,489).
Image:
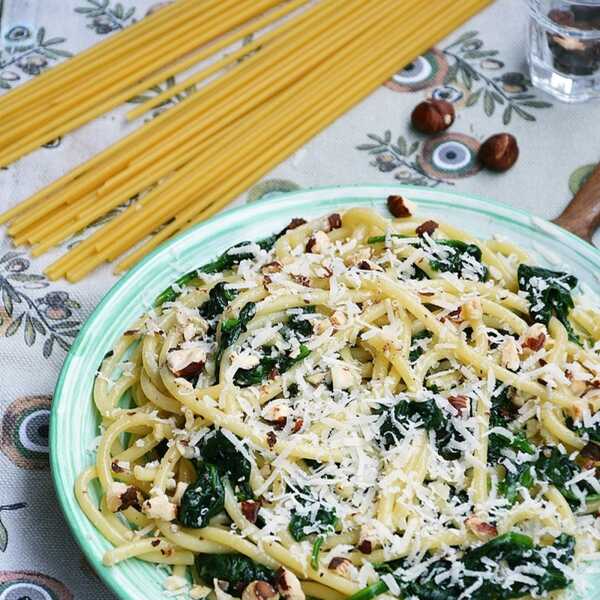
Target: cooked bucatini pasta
(355,406)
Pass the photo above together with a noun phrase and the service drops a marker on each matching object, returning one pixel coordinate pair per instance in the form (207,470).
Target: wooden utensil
(582,215)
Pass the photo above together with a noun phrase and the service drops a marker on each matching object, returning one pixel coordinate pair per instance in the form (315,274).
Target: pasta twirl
(356,406)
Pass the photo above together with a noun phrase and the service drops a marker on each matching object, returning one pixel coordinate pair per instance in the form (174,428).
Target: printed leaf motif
(67,325)
(62,344)
(488,103)
(29,331)
(466,78)
(40,35)
(397,157)
(14,326)
(54,41)
(469,61)
(468,35)
(497,97)
(9,256)
(8,298)
(451,74)
(48,345)
(474,97)
(402,146)
(26,277)
(38,325)
(523,114)
(3,536)
(7,301)
(480,54)
(536,104)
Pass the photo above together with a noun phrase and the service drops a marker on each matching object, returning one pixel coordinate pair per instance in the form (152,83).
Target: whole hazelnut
(499,152)
(432,116)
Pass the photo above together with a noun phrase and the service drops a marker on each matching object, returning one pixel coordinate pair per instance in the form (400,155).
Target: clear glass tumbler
(564,48)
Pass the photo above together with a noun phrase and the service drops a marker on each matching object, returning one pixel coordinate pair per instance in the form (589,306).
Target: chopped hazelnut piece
(428,227)
(482,530)
(397,205)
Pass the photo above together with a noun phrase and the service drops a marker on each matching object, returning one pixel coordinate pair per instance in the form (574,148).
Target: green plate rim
(491,208)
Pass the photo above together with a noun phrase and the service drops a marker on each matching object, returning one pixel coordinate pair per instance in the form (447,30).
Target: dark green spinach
(216,448)
(425,414)
(297,327)
(503,411)
(231,329)
(454,257)
(458,256)
(269,366)
(416,350)
(219,298)
(236,569)
(323,521)
(203,499)
(515,550)
(223,262)
(591,433)
(549,294)
(551,466)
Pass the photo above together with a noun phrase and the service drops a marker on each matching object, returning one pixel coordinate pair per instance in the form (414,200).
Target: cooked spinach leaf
(458,256)
(449,256)
(305,522)
(503,411)
(236,569)
(551,466)
(218,449)
(231,257)
(170,295)
(219,298)
(549,294)
(515,550)
(591,433)
(416,350)
(520,476)
(231,329)
(298,327)
(269,366)
(202,499)
(425,414)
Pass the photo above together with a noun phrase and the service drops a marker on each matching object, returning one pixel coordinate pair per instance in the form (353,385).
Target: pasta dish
(356,406)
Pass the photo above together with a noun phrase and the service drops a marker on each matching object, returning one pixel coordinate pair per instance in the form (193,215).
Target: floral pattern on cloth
(48,317)
(478,68)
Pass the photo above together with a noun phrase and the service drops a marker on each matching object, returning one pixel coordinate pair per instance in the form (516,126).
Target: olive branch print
(390,156)
(462,54)
(46,317)
(3,530)
(25,52)
(104,18)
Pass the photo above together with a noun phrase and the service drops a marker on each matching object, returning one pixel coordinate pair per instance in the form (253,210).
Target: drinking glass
(564,48)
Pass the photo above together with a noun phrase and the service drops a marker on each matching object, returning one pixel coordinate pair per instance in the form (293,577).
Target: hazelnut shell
(499,152)
(432,116)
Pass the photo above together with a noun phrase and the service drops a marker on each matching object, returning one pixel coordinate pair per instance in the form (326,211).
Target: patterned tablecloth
(481,69)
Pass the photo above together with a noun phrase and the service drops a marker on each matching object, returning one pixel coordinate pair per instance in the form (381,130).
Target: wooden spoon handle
(582,215)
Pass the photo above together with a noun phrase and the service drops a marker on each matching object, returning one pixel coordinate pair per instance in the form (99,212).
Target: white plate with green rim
(74,422)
